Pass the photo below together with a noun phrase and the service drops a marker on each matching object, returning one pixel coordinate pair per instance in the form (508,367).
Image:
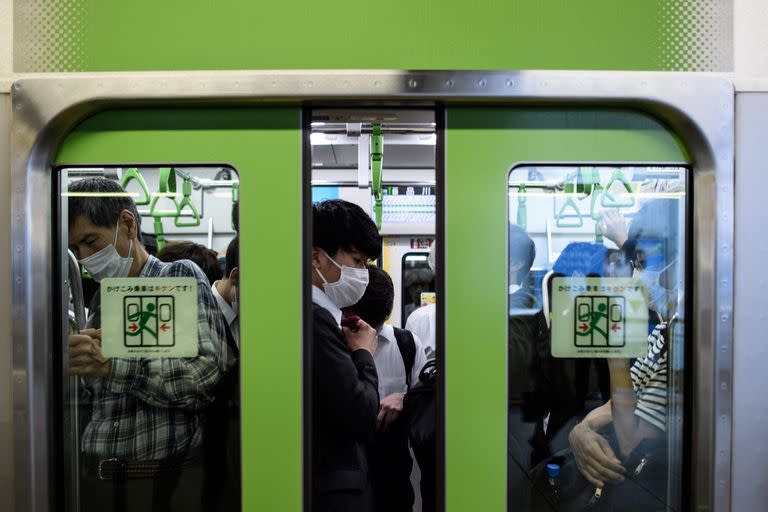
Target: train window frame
(682,466)
(68,487)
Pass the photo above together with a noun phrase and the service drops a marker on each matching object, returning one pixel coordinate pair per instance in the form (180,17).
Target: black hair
(104,204)
(199,254)
(521,250)
(376,304)
(236,216)
(339,224)
(232,256)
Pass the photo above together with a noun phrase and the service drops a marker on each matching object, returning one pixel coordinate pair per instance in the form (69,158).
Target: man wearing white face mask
(147,414)
(345,398)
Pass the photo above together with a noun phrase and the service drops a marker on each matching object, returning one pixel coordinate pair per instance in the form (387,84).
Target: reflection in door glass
(151,404)
(596,318)
(418,283)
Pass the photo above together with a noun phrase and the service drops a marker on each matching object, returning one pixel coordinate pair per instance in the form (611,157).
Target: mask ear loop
(331,259)
(325,281)
(130,242)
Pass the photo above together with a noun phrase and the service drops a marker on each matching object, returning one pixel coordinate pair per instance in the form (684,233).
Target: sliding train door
(188,172)
(566,234)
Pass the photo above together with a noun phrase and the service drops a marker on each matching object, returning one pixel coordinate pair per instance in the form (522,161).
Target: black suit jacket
(345,403)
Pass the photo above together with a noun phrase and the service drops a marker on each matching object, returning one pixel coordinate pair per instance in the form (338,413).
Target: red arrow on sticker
(133,327)
(583,327)
(164,327)
(615,327)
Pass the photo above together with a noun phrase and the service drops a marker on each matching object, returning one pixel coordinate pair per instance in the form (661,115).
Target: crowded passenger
(422,322)
(399,358)
(222,434)
(623,442)
(345,397)
(528,339)
(221,440)
(198,254)
(146,422)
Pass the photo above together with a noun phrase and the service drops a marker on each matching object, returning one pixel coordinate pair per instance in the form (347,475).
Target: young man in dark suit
(345,398)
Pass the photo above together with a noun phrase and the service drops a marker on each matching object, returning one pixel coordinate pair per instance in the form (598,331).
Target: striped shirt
(148,409)
(649,380)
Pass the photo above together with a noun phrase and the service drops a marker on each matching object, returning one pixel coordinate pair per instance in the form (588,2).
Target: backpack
(407,346)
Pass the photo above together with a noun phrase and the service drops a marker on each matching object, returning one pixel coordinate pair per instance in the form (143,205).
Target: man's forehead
(82,227)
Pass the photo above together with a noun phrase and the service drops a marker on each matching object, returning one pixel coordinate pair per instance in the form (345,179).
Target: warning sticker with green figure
(149,317)
(599,317)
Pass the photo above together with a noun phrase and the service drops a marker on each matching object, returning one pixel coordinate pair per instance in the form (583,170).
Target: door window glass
(151,363)
(596,336)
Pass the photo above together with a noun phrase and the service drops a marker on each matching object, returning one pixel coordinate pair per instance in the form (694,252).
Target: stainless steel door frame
(699,109)
(6,350)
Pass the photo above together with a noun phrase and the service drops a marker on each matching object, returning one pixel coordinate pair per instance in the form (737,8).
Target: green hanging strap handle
(235,199)
(586,181)
(166,189)
(186,188)
(522,209)
(565,222)
(377,157)
(597,191)
(608,201)
(159,233)
(571,190)
(133,174)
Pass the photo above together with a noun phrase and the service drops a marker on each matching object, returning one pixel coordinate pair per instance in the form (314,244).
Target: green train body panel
(482,146)
(264,146)
(144,35)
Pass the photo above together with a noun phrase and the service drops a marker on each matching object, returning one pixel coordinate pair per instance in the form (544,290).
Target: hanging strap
(186,201)
(132,174)
(522,209)
(609,201)
(166,189)
(235,201)
(377,157)
(565,222)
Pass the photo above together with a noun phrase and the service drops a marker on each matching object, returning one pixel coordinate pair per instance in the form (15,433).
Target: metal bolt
(481,83)
(449,83)
(510,83)
(412,83)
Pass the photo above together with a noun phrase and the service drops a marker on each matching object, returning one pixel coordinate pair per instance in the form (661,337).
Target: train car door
(259,148)
(544,177)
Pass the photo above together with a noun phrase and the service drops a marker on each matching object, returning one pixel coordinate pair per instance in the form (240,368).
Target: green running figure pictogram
(143,317)
(593,317)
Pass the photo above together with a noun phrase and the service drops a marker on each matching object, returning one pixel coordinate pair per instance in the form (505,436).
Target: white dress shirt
(422,324)
(321,299)
(390,365)
(232,320)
